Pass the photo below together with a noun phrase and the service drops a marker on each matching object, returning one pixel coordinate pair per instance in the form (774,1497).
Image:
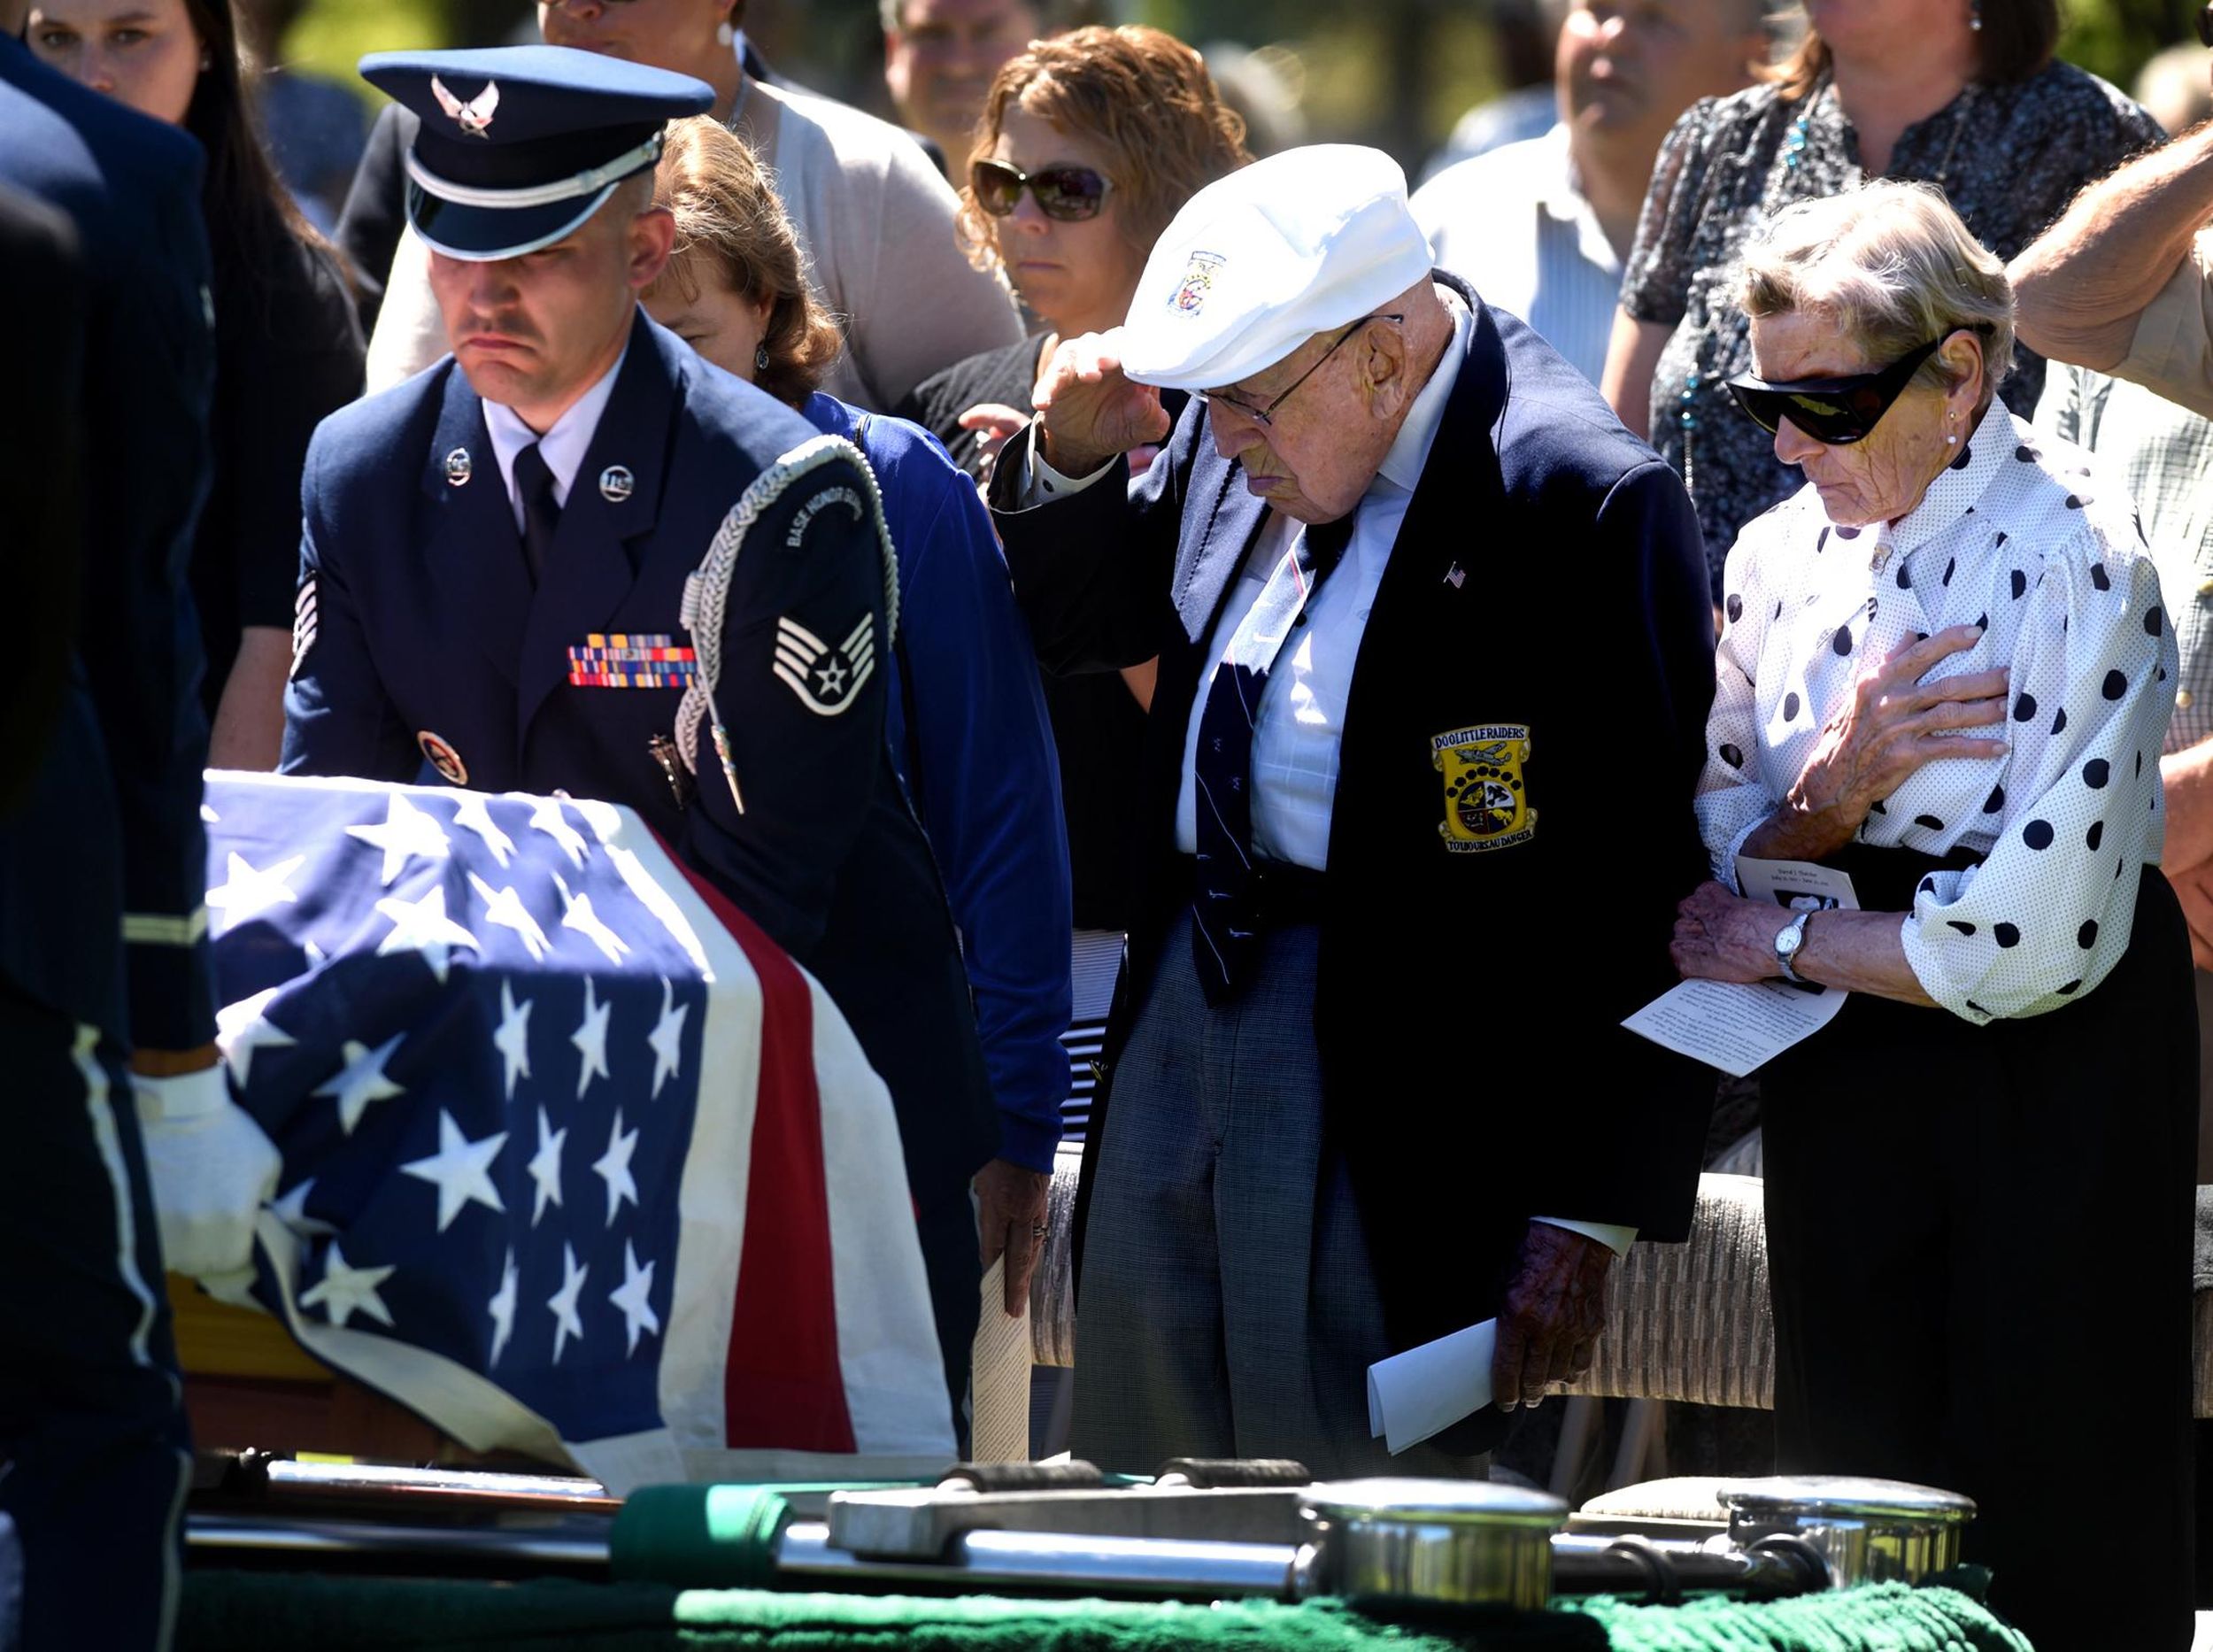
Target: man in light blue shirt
(1540,227)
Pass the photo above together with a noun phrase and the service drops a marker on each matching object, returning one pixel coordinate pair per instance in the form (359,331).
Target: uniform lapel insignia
(443,757)
(457,468)
(616,483)
(1486,802)
(826,679)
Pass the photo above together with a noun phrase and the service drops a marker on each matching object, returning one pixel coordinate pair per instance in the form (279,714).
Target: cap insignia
(473,117)
(1198,279)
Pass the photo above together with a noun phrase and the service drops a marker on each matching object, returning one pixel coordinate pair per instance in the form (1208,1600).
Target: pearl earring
(1975,15)
(725,34)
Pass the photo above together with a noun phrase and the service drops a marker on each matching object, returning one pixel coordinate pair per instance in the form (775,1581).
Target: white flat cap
(1260,261)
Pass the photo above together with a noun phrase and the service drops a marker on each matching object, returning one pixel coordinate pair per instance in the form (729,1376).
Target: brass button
(2206,590)
(2183,697)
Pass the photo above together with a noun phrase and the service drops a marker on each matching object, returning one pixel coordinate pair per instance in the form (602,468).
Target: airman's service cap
(520,144)
(1258,262)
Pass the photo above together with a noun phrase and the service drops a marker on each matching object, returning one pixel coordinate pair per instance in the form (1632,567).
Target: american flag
(576,1163)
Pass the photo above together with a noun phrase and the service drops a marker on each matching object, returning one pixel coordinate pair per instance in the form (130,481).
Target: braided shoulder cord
(707,589)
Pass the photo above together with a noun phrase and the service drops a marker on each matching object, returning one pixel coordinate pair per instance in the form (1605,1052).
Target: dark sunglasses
(1067,193)
(1841,410)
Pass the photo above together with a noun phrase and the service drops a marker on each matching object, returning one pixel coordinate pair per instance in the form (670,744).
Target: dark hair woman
(1962,93)
(288,349)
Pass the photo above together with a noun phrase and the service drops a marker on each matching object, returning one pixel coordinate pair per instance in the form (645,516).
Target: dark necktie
(1225,918)
(533,486)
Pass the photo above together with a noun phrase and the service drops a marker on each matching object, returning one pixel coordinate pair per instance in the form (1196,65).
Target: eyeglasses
(1069,194)
(1265,417)
(1840,411)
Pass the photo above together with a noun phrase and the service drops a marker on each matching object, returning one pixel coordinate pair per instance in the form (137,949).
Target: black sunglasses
(1841,410)
(1070,194)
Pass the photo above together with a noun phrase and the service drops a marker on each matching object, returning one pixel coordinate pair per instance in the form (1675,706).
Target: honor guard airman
(494,569)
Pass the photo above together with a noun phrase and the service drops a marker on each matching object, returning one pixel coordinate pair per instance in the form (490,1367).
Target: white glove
(213,1168)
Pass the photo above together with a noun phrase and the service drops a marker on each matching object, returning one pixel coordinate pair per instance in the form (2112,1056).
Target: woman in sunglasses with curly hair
(1088,145)
(1946,671)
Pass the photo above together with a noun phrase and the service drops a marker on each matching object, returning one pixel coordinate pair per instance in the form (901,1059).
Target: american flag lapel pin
(1454,577)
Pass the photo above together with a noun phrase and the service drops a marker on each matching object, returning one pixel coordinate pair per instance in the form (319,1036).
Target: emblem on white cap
(474,116)
(1198,279)
(1304,242)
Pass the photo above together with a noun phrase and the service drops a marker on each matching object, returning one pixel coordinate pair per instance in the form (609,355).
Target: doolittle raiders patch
(1487,801)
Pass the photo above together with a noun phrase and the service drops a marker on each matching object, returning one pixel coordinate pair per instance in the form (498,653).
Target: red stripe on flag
(782,1385)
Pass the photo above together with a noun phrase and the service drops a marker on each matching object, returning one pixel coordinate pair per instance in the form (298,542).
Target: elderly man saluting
(1435,652)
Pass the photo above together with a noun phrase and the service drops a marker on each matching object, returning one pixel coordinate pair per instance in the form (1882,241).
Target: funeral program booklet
(1738,1026)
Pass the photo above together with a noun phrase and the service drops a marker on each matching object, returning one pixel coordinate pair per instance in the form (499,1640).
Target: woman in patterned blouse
(1946,672)
(1960,93)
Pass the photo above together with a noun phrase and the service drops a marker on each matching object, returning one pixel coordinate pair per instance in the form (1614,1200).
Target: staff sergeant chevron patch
(826,679)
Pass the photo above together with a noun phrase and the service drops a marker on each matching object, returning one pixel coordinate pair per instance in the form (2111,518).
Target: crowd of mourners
(1379,622)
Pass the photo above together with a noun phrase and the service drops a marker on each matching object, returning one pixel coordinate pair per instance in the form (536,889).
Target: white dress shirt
(1514,224)
(562,448)
(1295,737)
(2022,535)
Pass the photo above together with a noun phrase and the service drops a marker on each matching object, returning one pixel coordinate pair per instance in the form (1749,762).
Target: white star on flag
(422,926)
(344,1291)
(361,1080)
(549,819)
(513,1040)
(505,907)
(631,1296)
(291,1209)
(246,893)
(591,1039)
(475,815)
(566,1322)
(406,833)
(614,1167)
(240,1029)
(460,1169)
(577,914)
(668,1038)
(545,1166)
(503,1307)
(656,900)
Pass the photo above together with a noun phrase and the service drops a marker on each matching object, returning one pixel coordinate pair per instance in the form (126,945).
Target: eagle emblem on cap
(474,116)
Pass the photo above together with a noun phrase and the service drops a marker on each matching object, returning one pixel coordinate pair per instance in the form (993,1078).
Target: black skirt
(1978,1242)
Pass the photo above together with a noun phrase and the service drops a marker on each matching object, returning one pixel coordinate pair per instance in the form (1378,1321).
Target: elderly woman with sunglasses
(1945,671)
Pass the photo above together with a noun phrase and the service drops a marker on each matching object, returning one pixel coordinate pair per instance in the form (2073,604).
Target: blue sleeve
(338,719)
(979,763)
(145,683)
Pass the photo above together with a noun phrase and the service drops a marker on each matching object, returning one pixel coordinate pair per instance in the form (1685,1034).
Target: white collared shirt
(563,447)
(1513,223)
(1302,707)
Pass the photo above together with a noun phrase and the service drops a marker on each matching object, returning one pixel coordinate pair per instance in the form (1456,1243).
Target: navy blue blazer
(1548,574)
(420,620)
(968,732)
(110,843)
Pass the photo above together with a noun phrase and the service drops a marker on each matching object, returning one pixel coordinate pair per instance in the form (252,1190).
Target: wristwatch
(1788,940)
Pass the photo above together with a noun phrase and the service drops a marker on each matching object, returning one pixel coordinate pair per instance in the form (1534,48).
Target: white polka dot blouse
(2022,536)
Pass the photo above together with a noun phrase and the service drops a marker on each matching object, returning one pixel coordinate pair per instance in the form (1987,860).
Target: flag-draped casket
(576,1162)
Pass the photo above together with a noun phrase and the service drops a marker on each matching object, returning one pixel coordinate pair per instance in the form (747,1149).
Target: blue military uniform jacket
(1547,579)
(418,618)
(108,845)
